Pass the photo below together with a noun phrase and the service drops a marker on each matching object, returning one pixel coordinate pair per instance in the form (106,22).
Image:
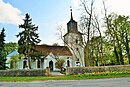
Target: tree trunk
(116,54)
(87,63)
(29,62)
(121,56)
(127,48)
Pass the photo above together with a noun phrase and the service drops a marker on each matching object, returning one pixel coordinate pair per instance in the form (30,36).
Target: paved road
(117,82)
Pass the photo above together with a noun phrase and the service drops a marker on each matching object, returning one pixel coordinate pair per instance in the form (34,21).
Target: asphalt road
(114,82)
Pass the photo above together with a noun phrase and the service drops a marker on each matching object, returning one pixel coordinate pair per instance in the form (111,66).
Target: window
(76,41)
(77,49)
(77,63)
(77,59)
(68,63)
(38,63)
(24,64)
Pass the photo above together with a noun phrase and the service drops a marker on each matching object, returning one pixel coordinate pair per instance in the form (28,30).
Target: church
(72,52)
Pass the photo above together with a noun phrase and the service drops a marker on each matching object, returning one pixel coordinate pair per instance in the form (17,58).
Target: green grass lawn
(69,77)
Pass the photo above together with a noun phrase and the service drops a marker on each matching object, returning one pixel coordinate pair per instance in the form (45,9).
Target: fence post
(67,70)
(48,71)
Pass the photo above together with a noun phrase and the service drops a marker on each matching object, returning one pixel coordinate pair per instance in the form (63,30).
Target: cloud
(76,3)
(119,6)
(9,14)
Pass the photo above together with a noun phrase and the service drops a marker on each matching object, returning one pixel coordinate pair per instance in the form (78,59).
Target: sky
(48,15)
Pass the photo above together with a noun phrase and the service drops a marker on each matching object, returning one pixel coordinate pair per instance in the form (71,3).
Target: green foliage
(117,33)
(110,58)
(103,75)
(69,77)
(95,50)
(3,64)
(2,39)
(10,47)
(59,64)
(14,59)
(28,37)
(2,51)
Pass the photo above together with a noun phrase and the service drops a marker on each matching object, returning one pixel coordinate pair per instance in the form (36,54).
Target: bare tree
(87,25)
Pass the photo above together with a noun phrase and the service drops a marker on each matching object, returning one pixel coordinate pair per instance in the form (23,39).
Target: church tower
(73,40)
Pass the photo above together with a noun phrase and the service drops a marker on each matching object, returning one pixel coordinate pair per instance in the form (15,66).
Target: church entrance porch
(51,65)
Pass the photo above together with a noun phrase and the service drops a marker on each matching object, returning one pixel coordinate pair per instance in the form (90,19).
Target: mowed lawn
(69,77)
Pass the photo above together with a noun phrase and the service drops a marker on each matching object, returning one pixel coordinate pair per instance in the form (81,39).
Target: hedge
(29,72)
(82,70)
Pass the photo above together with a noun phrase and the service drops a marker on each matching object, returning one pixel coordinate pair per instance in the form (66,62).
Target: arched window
(24,64)
(38,63)
(76,41)
(68,63)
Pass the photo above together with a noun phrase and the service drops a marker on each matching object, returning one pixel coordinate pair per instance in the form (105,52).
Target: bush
(59,64)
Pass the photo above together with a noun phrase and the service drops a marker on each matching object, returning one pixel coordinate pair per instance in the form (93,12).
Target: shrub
(59,64)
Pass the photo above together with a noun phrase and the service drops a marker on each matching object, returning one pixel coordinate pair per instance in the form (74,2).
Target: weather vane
(70,8)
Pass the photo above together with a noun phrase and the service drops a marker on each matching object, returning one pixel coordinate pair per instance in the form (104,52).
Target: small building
(49,58)
(51,54)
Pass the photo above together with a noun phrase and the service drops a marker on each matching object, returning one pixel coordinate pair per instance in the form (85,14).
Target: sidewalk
(56,73)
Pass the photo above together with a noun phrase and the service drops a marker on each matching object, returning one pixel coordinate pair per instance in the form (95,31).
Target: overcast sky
(48,14)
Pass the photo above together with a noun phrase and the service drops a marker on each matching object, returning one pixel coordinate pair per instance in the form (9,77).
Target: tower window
(76,41)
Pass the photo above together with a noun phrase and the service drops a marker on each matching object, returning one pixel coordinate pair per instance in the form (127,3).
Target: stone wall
(82,70)
(29,72)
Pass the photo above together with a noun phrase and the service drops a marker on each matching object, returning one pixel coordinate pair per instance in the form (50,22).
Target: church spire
(71,13)
(72,24)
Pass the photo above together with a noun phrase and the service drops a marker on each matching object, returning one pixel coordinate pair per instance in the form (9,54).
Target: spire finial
(71,13)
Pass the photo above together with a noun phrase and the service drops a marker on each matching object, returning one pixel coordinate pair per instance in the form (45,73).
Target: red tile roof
(56,50)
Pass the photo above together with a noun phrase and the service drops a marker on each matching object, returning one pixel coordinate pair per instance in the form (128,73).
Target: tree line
(106,37)
(111,47)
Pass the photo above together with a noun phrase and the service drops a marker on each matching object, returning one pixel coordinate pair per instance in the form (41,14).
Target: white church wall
(33,64)
(78,51)
(7,62)
(20,64)
(49,58)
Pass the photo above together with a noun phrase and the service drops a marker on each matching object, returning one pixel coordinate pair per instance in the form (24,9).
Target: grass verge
(69,77)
